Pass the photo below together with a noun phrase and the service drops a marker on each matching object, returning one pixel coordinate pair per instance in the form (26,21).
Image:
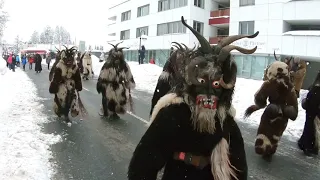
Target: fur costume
(192,133)
(87,66)
(65,84)
(298,73)
(169,78)
(283,106)
(309,141)
(114,83)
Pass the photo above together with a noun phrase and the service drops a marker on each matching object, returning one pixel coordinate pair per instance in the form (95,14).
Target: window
(170,28)
(164,5)
(126,16)
(198,26)
(199,3)
(125,35)
(246,27)
(142,31)
(143,10)
(247,2)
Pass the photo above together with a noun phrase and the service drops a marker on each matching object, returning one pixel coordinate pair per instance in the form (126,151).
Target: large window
(252,66)
(125,35)
(143,10)
(246,27)
(142,31)
(126,16)
(164,5)
(198,26)
(246,2)
(170,28)
(199,3)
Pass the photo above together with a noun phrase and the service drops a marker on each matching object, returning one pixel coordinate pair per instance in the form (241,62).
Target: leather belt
(197,161)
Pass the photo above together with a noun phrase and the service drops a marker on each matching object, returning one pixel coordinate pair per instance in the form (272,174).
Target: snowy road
(98,149)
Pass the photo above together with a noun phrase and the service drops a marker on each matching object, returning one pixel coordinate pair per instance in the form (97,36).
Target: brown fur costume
(283,105)
(298,74)
(114,83)
(65,83)
(192,133)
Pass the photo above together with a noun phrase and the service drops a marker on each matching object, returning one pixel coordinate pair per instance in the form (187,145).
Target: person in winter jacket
(31,61)
(142,52)
(24,61)
(13,64)
(79,62)
(48,60)
(38,60)
(9,61)
(18,60)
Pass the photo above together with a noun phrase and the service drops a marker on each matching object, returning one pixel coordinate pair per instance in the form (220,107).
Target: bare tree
(4,17)
(35,38)
(18,44)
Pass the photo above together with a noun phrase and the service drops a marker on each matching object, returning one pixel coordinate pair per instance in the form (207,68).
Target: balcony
(112,18)
(215,40)
(220,18)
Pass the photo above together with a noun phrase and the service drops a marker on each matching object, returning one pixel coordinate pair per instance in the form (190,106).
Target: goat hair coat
(309,141)
(115,83)
(172,130)
(87,65)
(65,83)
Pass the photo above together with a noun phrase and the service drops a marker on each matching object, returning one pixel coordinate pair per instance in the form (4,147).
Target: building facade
(158,22)
(287,27)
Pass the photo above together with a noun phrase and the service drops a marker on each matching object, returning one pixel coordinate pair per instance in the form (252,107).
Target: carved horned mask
(116,56)
(211,71)
(67,55)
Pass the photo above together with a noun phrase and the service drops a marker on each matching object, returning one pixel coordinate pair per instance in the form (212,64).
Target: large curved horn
(112,45)
(179,45)
(118,44)
(185,46)
(205,45)
(274,54)
(65,46)
(230,39)
(176,46)
(225,51)
(58,50)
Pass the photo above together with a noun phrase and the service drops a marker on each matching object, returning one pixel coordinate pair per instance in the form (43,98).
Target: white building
(160,21)
(288,27)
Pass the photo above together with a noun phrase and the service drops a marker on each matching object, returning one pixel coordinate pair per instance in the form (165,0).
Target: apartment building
(158,23)
(288,27)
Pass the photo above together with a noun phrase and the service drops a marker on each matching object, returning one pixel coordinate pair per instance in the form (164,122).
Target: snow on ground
(24,147)
(3,66)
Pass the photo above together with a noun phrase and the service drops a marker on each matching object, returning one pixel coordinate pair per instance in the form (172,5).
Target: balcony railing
(215,40)
(220,12)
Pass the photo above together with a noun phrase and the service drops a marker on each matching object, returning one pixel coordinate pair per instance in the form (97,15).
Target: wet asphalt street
(100,149)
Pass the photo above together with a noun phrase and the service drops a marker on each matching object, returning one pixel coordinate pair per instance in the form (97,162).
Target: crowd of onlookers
(14,60)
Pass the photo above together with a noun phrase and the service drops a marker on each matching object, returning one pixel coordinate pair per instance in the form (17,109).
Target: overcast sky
(84,19)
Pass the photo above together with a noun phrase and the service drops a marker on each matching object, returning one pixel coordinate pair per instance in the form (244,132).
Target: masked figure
(171,73)
(115,83)
(298,72)
(192,133)
(65,84)
(279,89)
(87,66)
(309,141)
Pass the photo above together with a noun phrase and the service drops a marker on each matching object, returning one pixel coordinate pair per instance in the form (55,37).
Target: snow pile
(145,75)
(24,147)
(244,97)
(96,65)
(3,66)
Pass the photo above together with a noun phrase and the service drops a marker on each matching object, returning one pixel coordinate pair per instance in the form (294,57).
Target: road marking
(137,117)
(86,89)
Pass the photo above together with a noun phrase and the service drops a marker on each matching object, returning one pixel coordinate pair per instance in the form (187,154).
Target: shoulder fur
(164,75)
(166,100)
